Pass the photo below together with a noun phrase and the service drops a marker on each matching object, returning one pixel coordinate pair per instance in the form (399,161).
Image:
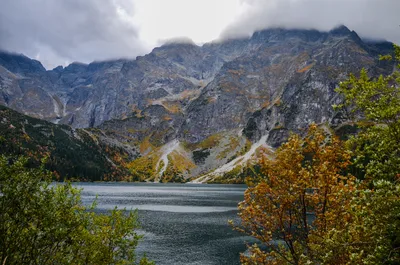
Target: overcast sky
(58,32)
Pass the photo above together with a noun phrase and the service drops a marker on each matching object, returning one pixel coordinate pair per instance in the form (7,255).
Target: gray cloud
(377,19)
(63,31)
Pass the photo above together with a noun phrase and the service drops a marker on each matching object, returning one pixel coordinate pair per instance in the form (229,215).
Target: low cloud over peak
(59,32)
(376,19)
(64,31)
(178,40)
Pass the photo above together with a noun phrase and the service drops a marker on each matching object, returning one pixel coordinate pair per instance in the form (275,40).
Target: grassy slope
(71,153)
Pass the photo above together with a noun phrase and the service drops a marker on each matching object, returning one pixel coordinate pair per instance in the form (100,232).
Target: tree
(305,210)
(375,103)
(371,235)
(302,195)
(41,223)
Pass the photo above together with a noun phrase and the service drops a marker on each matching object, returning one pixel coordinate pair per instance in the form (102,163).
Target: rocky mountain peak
(19,63)
(58,69)
(180,74)
(215,100)
(280,34)
(340,30)
(75,67)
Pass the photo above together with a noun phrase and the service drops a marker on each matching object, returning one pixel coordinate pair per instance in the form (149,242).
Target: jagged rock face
(155,124)
(20,64)
(265,86)
(24,86)
(87,95)
(290,78)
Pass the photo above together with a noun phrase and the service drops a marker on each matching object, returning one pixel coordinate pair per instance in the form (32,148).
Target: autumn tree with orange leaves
(303,194)
(306,209)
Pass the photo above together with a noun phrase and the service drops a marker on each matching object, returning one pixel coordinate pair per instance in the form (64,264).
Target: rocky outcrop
(25,86)
(206,99)
(286,83)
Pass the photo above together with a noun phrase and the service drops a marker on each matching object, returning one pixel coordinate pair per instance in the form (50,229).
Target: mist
(375,19)
(63,31)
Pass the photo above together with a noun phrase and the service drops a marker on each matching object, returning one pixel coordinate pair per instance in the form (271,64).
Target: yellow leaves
(302,181)
(144,167)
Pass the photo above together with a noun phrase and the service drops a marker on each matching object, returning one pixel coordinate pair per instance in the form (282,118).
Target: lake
(181,223)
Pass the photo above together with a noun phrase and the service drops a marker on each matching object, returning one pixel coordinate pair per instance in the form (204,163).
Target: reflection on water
(181,224)
(174,208)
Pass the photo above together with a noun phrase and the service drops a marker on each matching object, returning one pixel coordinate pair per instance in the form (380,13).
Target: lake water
(181,223)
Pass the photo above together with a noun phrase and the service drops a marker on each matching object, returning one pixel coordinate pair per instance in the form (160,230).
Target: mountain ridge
(216,100)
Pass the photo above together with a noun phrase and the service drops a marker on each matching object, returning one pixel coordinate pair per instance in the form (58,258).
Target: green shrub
(43,223)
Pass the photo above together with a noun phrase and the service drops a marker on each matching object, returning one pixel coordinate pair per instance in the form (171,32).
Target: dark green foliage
(375,104)
(250,128)
(43,223)
(73,154)
(199,156)
(346,130)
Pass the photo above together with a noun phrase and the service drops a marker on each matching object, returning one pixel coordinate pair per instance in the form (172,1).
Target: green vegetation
(178,165)
(376,147)
(239,175)
(232,145)
(200,156)
(144,167)
(73,154)
(308,200)
(148,167)
(207,143)
(41,223)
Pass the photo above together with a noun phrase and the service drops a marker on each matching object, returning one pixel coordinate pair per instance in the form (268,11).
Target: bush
(41,223)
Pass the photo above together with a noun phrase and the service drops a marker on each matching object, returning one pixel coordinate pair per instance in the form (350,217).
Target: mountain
(198,111)
(77,154)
